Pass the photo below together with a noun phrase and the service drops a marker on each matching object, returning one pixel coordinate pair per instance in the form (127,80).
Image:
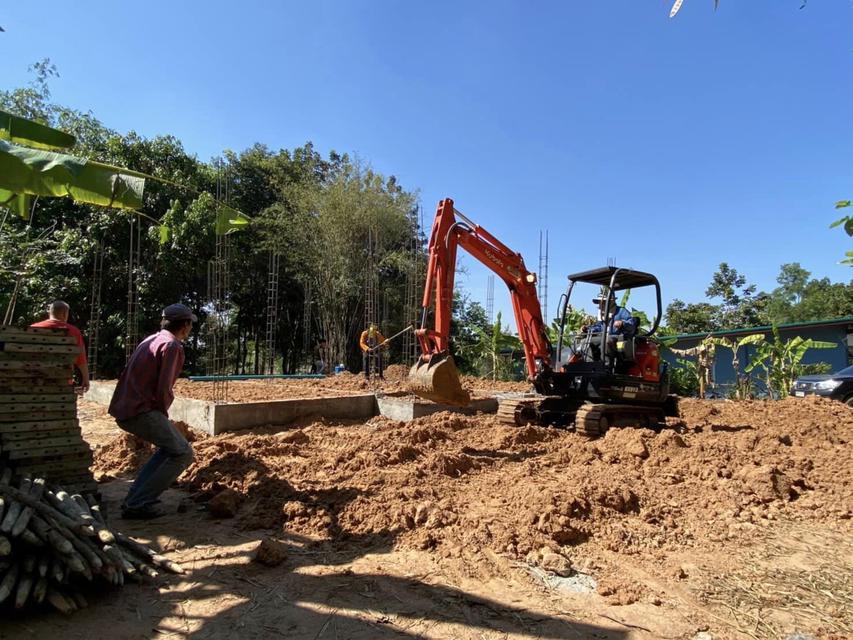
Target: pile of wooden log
(53,543)
(39,431)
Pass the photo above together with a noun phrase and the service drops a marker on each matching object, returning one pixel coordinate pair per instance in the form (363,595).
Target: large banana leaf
(229,220)
(17,129)
(46,173)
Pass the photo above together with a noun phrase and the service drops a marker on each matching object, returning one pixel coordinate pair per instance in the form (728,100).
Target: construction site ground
(343,384)
(732,522)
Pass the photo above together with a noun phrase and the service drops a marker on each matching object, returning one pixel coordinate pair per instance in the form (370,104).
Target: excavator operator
(622,324)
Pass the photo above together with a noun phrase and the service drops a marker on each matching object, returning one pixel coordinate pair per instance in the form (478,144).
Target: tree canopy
(313,211)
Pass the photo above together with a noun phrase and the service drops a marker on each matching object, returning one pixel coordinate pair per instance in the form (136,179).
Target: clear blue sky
(669,145)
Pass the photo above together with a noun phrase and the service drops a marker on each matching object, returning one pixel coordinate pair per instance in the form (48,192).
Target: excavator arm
(435,376)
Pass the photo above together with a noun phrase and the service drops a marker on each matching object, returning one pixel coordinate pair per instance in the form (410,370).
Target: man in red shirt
(58,312)
(140,405)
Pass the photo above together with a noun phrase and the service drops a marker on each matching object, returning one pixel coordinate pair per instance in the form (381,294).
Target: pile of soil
(343,384)
(124,454)
(458,483)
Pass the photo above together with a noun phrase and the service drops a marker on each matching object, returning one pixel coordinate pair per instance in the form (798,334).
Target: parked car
(838,386)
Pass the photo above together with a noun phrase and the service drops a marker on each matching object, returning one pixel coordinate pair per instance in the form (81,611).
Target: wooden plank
(8,366)
(34,387)
(53,359)
(50,349)
(26,407)
(16,406)
(83,459)
(68,455)
(37,436)
(61,441)
(35,335)
(37,425)
(7,329)
(54,467)
(55,450)
(59,396)
(37,416)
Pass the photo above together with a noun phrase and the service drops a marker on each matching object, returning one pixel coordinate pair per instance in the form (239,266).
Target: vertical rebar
(542,283)
(95,309)
(490,299)
(133,267)
(307,347)
(371,361)
(219,288)
(272,313)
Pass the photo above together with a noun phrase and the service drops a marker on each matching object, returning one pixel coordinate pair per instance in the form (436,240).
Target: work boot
(148,512)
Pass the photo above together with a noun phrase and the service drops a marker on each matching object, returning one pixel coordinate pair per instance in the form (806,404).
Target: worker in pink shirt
(140,405)
(58,312)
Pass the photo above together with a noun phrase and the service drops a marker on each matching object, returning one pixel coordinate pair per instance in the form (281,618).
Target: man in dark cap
(140,405)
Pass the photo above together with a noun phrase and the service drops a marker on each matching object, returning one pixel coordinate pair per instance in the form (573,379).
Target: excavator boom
(435,375)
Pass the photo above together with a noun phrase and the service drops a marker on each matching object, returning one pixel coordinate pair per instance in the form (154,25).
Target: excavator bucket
(437,379)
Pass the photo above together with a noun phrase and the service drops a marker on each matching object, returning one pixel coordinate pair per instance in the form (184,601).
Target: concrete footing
(213,419)
(406,408)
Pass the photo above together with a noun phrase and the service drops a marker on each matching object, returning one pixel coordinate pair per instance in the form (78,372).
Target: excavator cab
(631,355)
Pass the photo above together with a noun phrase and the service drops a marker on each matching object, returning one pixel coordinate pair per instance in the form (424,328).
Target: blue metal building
(839,331)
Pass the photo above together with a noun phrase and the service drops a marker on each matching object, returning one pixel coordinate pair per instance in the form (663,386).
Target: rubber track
(588,417)
(508,412)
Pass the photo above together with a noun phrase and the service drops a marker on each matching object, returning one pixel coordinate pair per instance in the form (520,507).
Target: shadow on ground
(314,594)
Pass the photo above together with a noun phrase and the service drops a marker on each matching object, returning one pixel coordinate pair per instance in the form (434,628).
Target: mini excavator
(626,385)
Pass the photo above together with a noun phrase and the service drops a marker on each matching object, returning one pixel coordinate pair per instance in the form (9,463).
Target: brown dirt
(630,507)
(343,384)
(117,453)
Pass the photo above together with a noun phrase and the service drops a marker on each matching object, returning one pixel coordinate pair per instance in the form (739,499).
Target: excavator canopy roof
(625,278)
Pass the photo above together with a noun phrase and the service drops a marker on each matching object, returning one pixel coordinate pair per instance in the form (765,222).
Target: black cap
(176,312)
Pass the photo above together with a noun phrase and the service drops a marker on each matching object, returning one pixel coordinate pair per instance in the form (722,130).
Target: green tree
(469,322)
(682,317)
(741,306)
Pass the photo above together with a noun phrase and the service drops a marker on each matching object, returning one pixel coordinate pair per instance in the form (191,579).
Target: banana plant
(847,221)
(744,384)
(781,361)
(489,346)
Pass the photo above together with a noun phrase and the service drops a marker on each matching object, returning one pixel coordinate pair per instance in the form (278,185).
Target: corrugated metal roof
(762,329)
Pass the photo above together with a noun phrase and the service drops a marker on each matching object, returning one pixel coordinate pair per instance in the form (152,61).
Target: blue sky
(668,145)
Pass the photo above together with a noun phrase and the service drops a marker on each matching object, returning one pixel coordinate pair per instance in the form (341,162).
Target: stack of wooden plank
(39,431)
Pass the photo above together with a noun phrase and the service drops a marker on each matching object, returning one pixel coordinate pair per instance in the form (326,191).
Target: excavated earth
(344,384)
(703,516)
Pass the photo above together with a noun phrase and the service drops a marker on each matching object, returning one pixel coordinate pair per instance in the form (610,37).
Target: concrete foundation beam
(213,419)
(398,408)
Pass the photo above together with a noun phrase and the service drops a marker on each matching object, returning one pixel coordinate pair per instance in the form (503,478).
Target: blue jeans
(173,455)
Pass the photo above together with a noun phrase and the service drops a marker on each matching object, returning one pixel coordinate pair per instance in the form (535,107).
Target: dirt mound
(456,482)
(342,384)
(122,455)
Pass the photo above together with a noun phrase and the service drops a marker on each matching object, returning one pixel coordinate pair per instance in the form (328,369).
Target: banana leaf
(229,220)
(46,173)
(20,130)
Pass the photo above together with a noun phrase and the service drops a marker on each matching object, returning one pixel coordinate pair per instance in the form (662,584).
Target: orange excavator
(591,381)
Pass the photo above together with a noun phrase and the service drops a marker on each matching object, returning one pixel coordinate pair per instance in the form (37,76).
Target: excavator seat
(626,347)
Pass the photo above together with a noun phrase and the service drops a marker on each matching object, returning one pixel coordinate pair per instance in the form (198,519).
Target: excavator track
(517,413)
(594,419)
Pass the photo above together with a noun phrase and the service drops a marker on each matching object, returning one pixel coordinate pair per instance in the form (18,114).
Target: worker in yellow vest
(371,342)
